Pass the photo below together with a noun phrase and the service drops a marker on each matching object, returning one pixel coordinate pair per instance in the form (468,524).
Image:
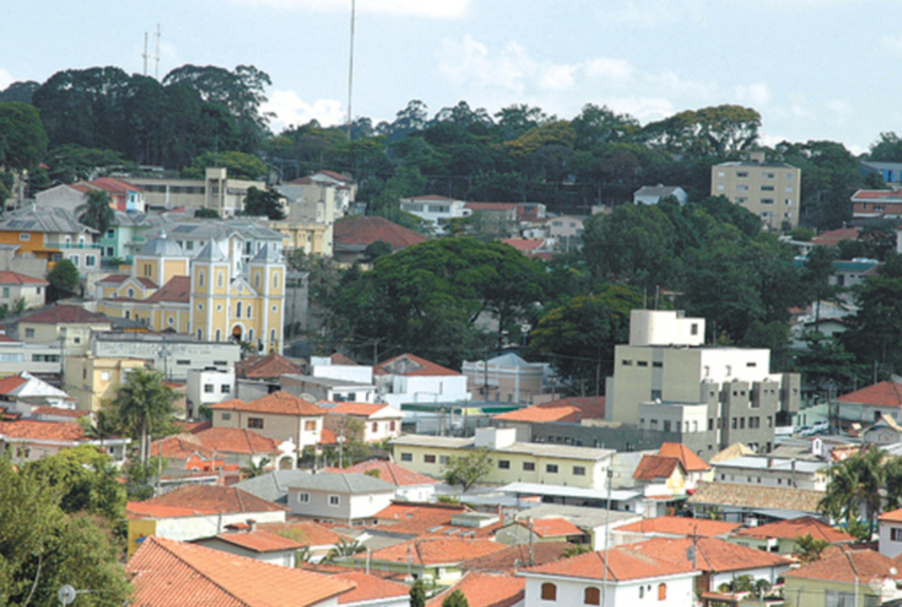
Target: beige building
(50,324)
(15,287)
(216,191)
(280,416)
(507,379)
(772,191)
(92,381)
(311,238)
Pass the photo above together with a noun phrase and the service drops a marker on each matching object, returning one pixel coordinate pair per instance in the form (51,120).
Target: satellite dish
(67,594)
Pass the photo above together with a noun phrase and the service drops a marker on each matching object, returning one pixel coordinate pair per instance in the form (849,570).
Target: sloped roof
(680,525)
(10,383)
(120,278)
(802,526)
(167,573)
(417,518)
(236,440)
(691,462)
(342,483)
(411,365)
(281,403)
(214,498)
(176,290)
(539,413)
(833,237)
(712,555)
(48,410)
(272,486)
(847,566)
(50,220)
(590,407)
(260,541)
(757,496)
(306,533)
(437,550)
(179,446)
(370,588)
(883,394)
(261,367)
(892,516)
(113,185)
(161,247)
(8,277)
(524,245)
(358,409)
(486,590)
(389,472)
(655,466)
(517,556)
(733,451)
(553,527)
(64,313)
(43,430)
(622,563)
(361,231)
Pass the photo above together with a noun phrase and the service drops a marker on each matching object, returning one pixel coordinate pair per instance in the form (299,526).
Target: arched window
(218,334)
(375,427)
(238,310)
(549,592)
(250,332)
(275,280)
(250,311)
(592,596)
(272,336)
(662,592)
(200,278)
(256,280)
(130,293)
(220,278)
(641,591)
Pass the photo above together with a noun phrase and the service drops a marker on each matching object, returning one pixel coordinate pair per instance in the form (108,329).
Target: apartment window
(788,175)
(549,592)
(579,470)
(742,174)
(255,422)
(90,261)
(303,498)
(529,466)
(334,500)
(741,199)
(407,457)
(220,363)
(226,417)
(225,388)
(74,259)
(657,364)
(767,201)
(504,464)
(666,425)
(742,187)
(721,174)
(770,421)
(641,363)
(428,459)
(592,596)
(310,425)
(29,332)
(655,394)
(627,363)
(895,534)
(208,388)
(551,468)
(442,459)
(735,423)
(769,175)
(711,424)
(742,423)
(183,362)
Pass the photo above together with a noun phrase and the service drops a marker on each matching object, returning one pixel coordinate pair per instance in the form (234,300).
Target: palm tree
(255,469)
(104,426)
(96,211)
(855,483)
(143,402)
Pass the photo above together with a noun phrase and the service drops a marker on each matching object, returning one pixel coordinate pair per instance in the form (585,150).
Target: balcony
(77,245)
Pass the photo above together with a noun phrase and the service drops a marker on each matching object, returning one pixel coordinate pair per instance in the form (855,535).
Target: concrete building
(51,235)
(409,379)
(771,191)
(207,387)
(652,194)
(773,472)
(507,378)
(567,231)
(666,380)
(92,381)
(215,191)
(339,498)
(16,287)
(434,208)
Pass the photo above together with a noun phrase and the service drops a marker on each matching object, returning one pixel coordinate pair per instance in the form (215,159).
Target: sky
(814,69)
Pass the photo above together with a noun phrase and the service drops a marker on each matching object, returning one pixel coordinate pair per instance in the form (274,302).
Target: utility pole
(156,68)
(351,65)
(144,54)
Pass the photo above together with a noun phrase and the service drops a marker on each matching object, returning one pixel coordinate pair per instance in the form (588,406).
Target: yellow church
(169,290)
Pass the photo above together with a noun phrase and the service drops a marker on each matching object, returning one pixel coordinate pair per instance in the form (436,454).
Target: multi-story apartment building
(666,380)
(771,191)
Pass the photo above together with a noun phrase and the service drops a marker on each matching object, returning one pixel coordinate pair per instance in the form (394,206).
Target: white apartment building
(209,386)
(434,208)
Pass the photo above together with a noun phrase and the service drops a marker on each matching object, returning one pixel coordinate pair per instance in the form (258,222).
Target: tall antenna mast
(144,54)
(156,69)
(351,65)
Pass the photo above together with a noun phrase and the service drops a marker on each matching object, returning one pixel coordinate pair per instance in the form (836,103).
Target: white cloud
(755,95)
(655,13)
(469,61)
(431,9)
(291,110)
(5,79)
(612,69)
(891,45)
(557,77)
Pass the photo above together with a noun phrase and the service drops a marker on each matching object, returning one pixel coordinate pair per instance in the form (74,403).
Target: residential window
(551,468)
(504,464)
(711,424)
(226,417)
(627,363)
(529,466)
(657,364)
(767,201)
(429,459)
(592,596)
(29,332)
(579,470)
(742,187)
(375,427)
(105,375)
(183,362)
(5,291)
(767,188)
(835,598)
(90,260)
(656,394)
(225,388)
(442,459)
(662,592)
(895,534)
(255,422)
(304,498)
(25,237)
(549,592)
(334,500)
(407,457)
(310,425)
(742,174)
(208,388)
(391,426)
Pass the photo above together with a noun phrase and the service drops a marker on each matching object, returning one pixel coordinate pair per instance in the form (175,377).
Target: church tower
(209,294)
(267,277)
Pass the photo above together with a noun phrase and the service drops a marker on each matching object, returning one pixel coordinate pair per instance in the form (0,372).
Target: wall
(680,592)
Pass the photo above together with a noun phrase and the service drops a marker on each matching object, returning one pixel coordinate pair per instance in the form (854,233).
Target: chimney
(251,525)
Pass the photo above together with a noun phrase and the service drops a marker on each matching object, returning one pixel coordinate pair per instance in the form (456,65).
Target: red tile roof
(431,551)
(524,245)
(833,238)
(517,556)
(307,533)
(881,195)
(235,440)
(7,339)
(359,409)
(338,358)
(67,432)
(794,528)
(114,186)
(10,383)
(64,313)
(327,437)
(337,176)
(410,365)
(539,413)
(592,407)
(362,231)
(120,278)
(486,590)
(390,472)
(192,427)
(883,394)
(263,367)
(680,525)
(280,403)
(894,516)
(167,573)
(214,498)
(416,518)
(177,290)
(553,527)
(137,510)
(655,466)
(846,566)
(47,410)
(370,588)
(260,541)
(691,462)
(622,563)
(712,554)
(14,278)
(179,447)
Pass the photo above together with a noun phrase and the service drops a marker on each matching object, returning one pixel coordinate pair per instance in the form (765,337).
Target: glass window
(208,388)
(579,470)
(551,468)
(504,464)
(255,422)
(529,466)
(407,457)
(334,500)
(429,459)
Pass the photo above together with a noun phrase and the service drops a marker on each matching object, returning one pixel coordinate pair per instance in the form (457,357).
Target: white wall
(886,545)
(185,528)
(359,374)
(680,592)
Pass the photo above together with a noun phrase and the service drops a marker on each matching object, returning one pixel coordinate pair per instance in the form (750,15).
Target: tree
(205,213)
(855,484)
(456,599)
(23,140)
(575,550)
(467,470)
(810,548)
(376,249)
(143,404)
(267,203)
(96,211)
(64,280)
(418,593)
(239,165)
(876,328)
(816,278)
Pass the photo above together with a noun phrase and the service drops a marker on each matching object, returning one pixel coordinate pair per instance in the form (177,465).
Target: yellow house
(661,475)
(511,461)
(49,325)
(91,381)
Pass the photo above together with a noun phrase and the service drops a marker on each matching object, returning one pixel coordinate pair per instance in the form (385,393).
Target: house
(338,498)
(196,511)
(25,392)
(207,387)
(409,379)
(844,577)
(506,378)
(484,589)
(652,194)
(535,531)
(567,231)
(272,486)
(51,235)
(372,423)
(594,520)
(410,486)
(876,204)
(168,573)
(215,191)
(123,237)
(255,544)
(18,289)
(42,359)
(771,191)
(434,209)
(409,520)
(92,381)
(884,431)
(621,576)
(774,472)
(280,416)
(661,476)
(781,536)
(230,445)
(515,557)
(352,235)
(746,502)
(889,530)
(257,376)
(328,389)
(869,404)
(511,461)
(671,527)
(697,470)
(543,248)
(890,172)
(316,539)
(28,439)
(51,323)
(330,189)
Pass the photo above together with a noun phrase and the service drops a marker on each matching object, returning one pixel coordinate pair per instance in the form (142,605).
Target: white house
(434,208)
(209,386)
(339,498)
(773,472)
(652,194)
(409,379)
(378,422)
(889,526)
(15,287)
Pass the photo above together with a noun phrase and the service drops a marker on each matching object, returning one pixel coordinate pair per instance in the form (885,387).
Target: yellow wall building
(91,381)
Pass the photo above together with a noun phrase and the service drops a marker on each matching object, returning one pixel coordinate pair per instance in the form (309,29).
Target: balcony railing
(76,245)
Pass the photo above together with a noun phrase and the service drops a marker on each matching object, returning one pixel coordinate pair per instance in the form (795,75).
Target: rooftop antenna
(156,67)
(144,54)
(351,65)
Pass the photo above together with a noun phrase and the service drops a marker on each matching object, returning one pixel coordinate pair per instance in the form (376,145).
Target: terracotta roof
(894,516)
(655,466)
(280,403)
(42,430)
(622,563)
(553,527)
(235,440)
(14,278)
(64,313)
(136,510)
(7,339)
(517,556)
(846,566)
(113,185)
(336,175)
(539,413)
(833,237)
(490,206)
(177,290)
(680,525)
(192,427)
(338,358)
(307,533)
(791,529)
(370,588)
(691,462)
(180,446)
(410,365)
(260,541)
(327,437)
(10,383)
(47,410)
(883,394)
(416,518)
(712,555)
(120,278)
(358,409)
(756,496)
(392,473)
(167,573)
(113,278)
(592,407)
(362,231)
(524,245)
(215,498)
(486,590)
(431,551)
(261,367)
